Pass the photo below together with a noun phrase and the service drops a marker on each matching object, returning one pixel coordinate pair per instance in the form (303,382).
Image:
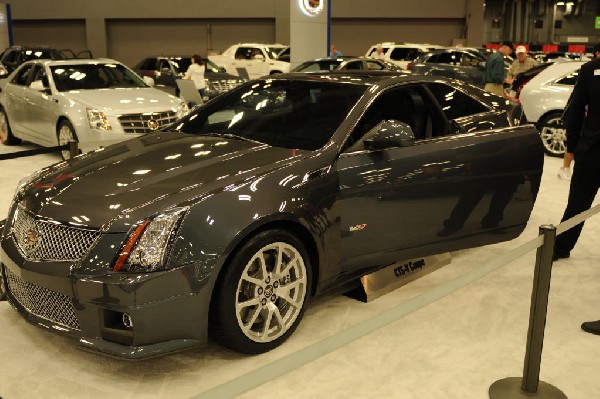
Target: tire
(64,134)
(6,136)
(2,285)
(252,295)
(553,134)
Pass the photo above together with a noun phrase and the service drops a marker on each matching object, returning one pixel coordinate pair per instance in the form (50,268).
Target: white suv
(94,102)
(255,58)
(401,54)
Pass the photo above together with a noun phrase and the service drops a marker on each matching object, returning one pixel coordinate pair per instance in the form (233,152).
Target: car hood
(125,100)
(94,189)
(221,76)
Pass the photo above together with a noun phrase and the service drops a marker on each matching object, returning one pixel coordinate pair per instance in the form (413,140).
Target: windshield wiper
(230,136)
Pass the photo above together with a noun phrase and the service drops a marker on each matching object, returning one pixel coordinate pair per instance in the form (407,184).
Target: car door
(40,108)
(253,60)
(445,192)
(165,76)
(14,103)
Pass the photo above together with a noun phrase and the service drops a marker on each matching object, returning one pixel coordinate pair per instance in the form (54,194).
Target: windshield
(39,54)
(94,76)
(281,113)
(273,52)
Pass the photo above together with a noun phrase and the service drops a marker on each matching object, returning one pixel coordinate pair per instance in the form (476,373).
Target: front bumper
(132,316)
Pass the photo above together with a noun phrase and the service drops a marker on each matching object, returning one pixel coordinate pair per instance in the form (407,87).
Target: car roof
(357,77)
(556,71)
(75,61)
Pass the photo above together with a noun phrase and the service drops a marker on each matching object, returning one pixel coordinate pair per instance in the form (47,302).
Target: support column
(95,32)
(308,30)
(474,23)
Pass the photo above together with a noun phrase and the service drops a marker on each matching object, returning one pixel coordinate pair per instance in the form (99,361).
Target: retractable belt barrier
(513,387)
(71,146)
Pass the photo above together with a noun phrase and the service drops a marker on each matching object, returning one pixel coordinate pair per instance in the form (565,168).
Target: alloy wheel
(271,292)
(554,136)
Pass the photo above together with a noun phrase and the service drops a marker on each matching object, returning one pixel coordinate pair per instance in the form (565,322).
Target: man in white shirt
(378,54)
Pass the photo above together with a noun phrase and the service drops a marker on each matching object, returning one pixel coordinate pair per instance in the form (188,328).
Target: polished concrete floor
(455,347)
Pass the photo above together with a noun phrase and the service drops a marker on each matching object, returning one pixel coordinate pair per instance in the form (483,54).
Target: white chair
(188,92)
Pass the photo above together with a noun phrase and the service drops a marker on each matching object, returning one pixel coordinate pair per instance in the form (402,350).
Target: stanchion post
(538,310)
(73,149)
(530,385)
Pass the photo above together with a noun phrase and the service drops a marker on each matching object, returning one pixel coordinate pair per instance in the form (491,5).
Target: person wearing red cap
(521,64)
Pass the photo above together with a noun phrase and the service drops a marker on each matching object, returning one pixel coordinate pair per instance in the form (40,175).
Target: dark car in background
(165,70)
(14,56)
(463,64)
(274,192)
(345,63)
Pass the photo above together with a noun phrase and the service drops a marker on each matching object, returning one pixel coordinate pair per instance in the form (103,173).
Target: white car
(256,58)
(401,54)
(94,102)
(544,98)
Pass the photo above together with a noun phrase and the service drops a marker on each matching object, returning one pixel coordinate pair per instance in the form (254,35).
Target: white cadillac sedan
(544,98)
(95,102)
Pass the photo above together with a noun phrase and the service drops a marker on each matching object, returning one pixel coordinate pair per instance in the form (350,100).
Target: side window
(150,64)
(39,73)
(10,56)
(451,58)
(433,59)
(407,104)
(454,103)
(569,79)
(163,64)
(353,65)
(374,66)
(23,75)
(245,53)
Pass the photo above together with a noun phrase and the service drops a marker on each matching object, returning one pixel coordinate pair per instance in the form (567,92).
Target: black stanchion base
(510,388)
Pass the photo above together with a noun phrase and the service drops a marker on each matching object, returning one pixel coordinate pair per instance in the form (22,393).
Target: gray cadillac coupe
(265,197)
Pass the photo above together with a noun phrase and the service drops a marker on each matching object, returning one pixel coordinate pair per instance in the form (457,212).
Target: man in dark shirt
(583,139)
(493,76)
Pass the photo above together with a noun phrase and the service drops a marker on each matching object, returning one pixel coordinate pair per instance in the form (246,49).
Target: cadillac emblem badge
(152,124)
(311,7)
(31,239)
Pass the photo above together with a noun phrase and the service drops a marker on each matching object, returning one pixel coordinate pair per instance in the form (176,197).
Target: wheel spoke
(247,327)
(251,279)
(267,325)
(279,261)
(263,264)
(251,302)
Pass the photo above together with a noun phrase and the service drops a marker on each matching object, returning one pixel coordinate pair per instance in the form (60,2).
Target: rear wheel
(554,134)
(6,136)
(66,134)
(261,297)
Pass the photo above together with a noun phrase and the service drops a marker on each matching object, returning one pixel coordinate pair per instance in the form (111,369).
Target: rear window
(569,79)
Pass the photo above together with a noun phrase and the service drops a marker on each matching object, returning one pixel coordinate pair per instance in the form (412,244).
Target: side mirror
(37,85)
(148,80)
(165,71)
(388,134)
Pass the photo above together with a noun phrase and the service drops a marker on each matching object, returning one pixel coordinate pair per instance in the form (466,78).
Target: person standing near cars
(195,72)
(493,76)
(521,64)
(378,54)
(583,140)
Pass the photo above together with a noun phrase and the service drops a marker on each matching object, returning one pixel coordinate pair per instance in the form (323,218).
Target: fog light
(127,322)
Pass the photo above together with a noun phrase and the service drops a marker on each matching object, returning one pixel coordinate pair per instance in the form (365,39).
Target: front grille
(224,85)
(147,122)
(42,302)
(41,240)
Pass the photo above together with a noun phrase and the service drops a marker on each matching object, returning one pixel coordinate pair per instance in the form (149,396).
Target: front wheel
(554,134)
(6,136)
(66,134)
(261,297)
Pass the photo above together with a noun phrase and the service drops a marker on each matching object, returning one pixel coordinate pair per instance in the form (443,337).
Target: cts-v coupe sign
(271,194)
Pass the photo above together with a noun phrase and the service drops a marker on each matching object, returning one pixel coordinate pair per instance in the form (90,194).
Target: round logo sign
(311,7)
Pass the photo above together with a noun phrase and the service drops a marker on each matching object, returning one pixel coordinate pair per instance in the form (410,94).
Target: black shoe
(592,327)
(560,255)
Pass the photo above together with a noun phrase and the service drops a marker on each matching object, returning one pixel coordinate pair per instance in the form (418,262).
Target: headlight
(182,110)
(98,120)
(27,180)
(146,249)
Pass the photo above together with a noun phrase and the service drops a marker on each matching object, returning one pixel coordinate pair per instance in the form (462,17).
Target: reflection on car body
(277,191)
